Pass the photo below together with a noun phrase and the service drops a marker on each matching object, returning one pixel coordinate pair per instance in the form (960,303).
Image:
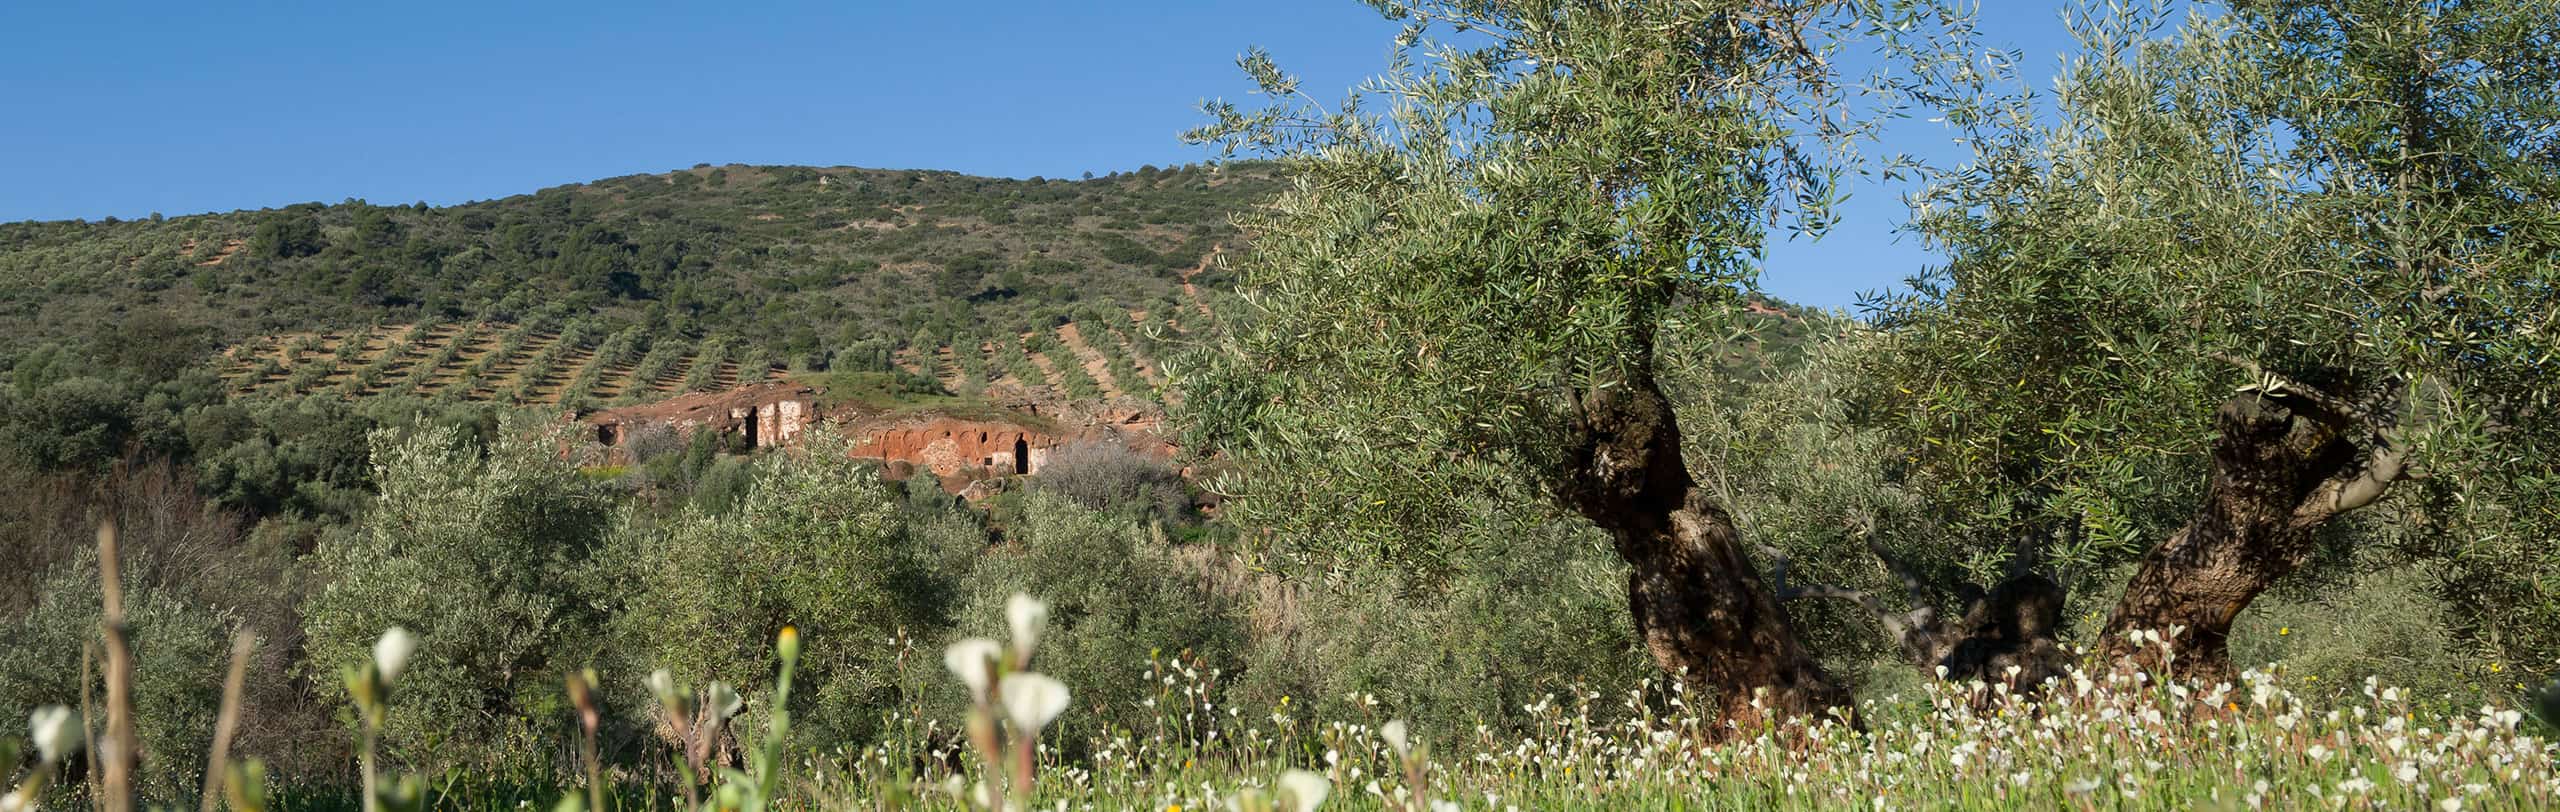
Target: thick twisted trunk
(2281,469)
(1699,607)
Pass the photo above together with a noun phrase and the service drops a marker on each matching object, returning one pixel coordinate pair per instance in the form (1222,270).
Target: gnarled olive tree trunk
(2282,467)
(1699,607)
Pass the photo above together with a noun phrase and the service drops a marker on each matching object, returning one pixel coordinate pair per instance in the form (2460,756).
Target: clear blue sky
(125,109)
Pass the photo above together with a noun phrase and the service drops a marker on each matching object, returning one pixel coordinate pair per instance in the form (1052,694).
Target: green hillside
(575,363)
(779,265)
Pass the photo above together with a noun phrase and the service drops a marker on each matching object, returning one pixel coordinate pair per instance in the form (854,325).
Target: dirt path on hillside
(1192,290)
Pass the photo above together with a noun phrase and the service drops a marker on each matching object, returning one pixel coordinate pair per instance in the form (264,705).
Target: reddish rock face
(956,451)
(961,453)
(947,446)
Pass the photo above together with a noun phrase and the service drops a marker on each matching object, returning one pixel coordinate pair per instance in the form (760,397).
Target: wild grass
(2094,741)
(2103,739)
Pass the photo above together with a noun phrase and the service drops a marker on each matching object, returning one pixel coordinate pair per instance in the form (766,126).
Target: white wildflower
(391,653)
(973,661)
(1302,791)
(1027,617)
(55,734)
(1032,700)
(724,700)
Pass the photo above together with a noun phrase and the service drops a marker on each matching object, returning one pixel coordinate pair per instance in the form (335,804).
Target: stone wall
(760,416)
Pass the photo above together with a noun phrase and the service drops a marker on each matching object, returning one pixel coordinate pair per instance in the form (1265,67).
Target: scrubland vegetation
(2217,468)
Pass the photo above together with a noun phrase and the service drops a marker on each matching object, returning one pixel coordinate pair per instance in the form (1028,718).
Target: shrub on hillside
(1527,610)
(1118,597)
(815,541)
(1111,477)
(487,559)
(178,659)
(2385,625)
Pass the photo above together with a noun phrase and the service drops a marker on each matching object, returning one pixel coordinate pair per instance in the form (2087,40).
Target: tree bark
(1700,608)
(2282,467)
(2015,625)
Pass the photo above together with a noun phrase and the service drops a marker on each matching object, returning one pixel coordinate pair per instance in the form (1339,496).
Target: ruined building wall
(947,446)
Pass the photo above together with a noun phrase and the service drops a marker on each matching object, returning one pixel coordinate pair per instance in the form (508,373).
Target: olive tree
(1467,290)
(816,542)
(487,557)
(1852,546)
(2260,275)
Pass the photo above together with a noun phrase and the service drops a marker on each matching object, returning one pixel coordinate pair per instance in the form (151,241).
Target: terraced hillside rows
(1084,359)
(541,362)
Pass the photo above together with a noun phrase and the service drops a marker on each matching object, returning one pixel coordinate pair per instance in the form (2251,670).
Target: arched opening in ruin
(750,428)
(1021,456)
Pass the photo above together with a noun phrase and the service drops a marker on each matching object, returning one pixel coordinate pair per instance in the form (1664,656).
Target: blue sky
(125,109)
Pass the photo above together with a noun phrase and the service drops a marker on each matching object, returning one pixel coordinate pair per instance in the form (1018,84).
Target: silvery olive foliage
(2353,198)
(1116,591)
(1511,214)
(817,542)
(486,557)
(178,654)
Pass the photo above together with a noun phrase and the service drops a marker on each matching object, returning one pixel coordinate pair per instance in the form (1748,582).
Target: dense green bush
(1532,609)
(179,651)
(488,558)
(193,575)
(2334,633)
(818,542)
(1119,596)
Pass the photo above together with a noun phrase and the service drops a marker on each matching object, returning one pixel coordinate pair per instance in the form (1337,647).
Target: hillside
(573,363)
(792,266)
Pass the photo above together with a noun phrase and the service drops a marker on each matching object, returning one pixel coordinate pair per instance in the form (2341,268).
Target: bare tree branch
(1899,625)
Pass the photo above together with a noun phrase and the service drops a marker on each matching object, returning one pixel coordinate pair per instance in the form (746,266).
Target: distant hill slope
(573,364)
(896,286)
(795,266)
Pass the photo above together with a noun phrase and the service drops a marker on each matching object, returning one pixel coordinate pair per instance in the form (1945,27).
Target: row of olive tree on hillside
(2283,264)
